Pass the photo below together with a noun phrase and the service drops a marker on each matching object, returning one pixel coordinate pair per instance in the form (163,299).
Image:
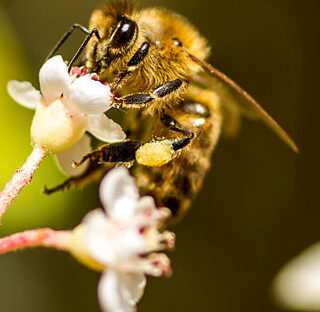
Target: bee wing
(236,99)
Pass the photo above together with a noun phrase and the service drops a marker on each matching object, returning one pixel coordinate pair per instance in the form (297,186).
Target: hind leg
(153,153)
(93,173)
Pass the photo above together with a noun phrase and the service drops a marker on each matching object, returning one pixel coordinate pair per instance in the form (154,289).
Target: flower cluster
(67,106)
(124,240)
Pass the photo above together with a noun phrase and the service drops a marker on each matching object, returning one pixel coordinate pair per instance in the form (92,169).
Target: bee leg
(178,144)
(153,153)
(174,125)
(95,32)
(65,37)
(138,100)
(120,152)
(132,65)
(93,173)
(161,152)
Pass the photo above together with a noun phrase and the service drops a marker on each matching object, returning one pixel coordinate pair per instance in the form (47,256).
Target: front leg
(134,63)
(139,100)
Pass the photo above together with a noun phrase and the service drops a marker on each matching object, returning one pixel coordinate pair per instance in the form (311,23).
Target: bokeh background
(260,203)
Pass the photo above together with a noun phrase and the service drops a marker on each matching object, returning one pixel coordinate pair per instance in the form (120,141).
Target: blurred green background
(260,203)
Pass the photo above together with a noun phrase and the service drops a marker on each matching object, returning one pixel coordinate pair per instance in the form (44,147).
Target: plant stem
(33,238)
(21,178)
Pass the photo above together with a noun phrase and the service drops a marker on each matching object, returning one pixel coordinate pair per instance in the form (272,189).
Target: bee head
(118,34)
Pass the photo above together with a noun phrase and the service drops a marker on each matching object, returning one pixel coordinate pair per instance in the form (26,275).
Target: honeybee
(176,103)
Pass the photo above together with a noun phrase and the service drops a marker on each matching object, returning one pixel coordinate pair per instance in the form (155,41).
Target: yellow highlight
(155,154)
(79,251)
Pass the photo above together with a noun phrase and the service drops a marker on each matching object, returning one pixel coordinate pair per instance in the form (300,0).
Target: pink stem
(21,178)
(40,237)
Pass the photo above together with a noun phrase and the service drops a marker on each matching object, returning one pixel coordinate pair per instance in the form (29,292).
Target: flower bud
(54,129)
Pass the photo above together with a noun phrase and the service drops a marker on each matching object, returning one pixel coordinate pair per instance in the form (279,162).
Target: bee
(176,103)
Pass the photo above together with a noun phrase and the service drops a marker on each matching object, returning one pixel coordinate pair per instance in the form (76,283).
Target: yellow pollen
(155,154)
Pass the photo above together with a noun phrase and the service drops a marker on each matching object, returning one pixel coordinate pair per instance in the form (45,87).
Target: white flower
(297,285)
(67,107)
(123,240)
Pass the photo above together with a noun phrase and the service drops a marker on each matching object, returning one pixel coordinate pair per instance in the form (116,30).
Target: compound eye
(124,33)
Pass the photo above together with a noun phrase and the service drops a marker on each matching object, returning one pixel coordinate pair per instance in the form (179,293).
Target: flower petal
(111,244)
(154,215)
(105,129)
(127,244)
(147,206)
(132,287)
(118,193)
(297,285)
(98,237)
(89,96)
(120,292)
(24,93)
(66,158)
(54,78)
